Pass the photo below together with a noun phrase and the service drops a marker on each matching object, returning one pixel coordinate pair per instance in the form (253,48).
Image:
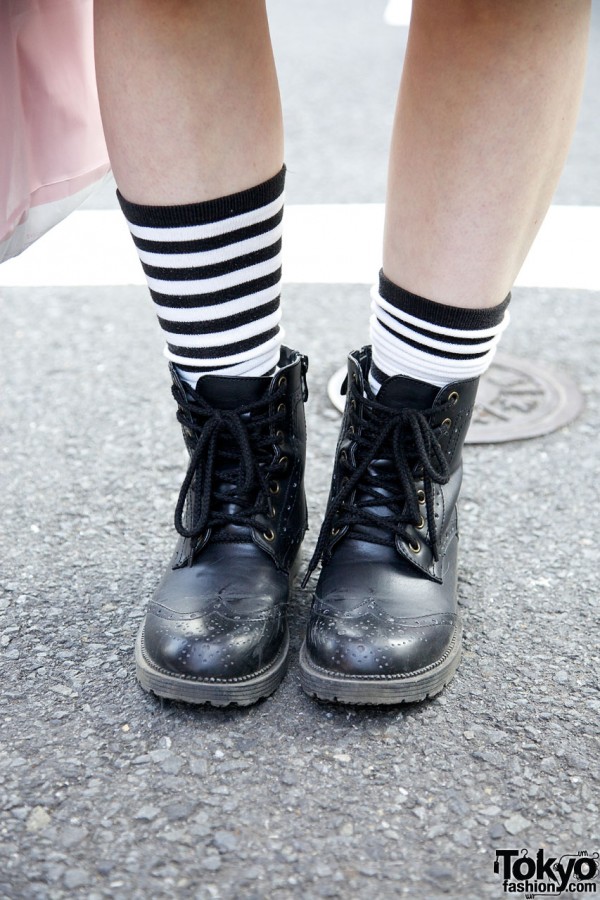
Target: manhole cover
(516,400)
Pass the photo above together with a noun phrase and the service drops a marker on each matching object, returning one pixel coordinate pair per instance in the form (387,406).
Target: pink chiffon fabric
(51,142)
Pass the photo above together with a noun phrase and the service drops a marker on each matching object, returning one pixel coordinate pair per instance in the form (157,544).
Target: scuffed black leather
(381,610)
(220,609)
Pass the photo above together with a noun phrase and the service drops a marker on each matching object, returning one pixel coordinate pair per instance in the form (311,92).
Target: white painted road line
(93,247)
(397,12)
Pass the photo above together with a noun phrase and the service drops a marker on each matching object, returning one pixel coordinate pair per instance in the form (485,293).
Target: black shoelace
(406,443)
(232,463)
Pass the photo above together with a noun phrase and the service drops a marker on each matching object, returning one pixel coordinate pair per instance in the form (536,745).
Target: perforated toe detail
(213,646)
(372,644)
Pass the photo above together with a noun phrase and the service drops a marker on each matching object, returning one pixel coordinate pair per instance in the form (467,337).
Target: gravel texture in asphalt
(108,792)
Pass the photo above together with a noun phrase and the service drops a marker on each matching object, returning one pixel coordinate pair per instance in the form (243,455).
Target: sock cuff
(438,313)
(206,212)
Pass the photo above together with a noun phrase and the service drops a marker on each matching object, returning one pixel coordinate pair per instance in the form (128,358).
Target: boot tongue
(396,392)
(229,392)
(401,392)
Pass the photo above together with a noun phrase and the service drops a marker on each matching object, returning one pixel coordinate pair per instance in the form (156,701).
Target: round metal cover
(516,400)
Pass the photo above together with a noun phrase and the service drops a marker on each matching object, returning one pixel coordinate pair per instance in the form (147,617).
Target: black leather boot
(384,626)
(216,629)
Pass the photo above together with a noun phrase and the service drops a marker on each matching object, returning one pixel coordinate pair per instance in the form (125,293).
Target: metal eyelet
(446,423)
(274,487)
(282,382)
(453,397)
(269,535)
(421,497)
(421,523)
(354,378)
(353,404)
(281,408)
(414,546)
(335,531)
(351,429)
(343,456)
(279,434)
(283,461)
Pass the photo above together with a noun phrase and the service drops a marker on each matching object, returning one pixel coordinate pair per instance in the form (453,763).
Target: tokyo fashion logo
(540,875)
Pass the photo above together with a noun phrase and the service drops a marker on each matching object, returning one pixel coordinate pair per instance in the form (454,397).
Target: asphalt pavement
(107,792)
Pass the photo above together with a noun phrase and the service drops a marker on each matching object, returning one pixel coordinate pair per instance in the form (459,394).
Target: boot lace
(405,441)
(233,460)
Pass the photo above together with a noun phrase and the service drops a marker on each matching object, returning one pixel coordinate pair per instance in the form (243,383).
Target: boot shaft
(398,466)
(246,438)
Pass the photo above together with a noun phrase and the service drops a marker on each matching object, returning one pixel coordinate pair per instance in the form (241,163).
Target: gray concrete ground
(105,792)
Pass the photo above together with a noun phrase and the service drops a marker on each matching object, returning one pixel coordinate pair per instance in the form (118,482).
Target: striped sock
(214,273)
(429,341)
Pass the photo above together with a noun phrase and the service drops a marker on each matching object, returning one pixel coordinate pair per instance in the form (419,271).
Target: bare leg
(193,121)
(192,115)
(486,111)
(189,97)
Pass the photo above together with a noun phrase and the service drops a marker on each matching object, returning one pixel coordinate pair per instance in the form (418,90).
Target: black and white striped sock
(430,341)
(214,273)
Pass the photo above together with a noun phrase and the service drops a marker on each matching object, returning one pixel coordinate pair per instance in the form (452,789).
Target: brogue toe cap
(221,618)
(214,645)
(370,643)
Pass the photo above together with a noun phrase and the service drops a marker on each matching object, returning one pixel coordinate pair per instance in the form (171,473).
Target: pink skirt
(52,150)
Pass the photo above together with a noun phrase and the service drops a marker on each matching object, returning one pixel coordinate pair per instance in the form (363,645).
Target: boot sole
(374,691)
(213,691)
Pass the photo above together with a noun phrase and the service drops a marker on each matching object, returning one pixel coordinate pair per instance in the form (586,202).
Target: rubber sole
(214,691)
(375,691)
